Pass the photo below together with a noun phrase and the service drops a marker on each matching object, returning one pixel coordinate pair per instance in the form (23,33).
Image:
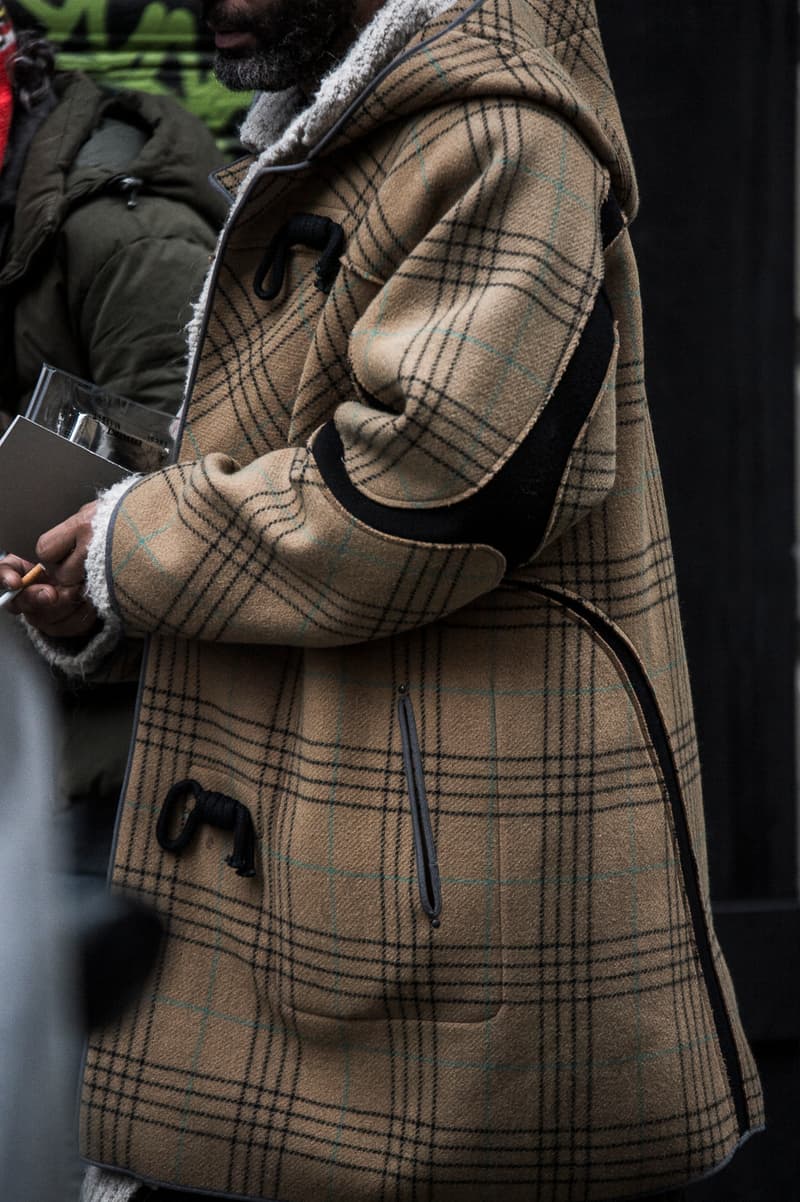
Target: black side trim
(430,889)
(612,223)
(655,726)
(511,512)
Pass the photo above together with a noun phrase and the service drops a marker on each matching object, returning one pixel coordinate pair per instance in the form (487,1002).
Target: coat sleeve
(485,353)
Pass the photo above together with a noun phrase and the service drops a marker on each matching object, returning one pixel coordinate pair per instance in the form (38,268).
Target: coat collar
(280,126)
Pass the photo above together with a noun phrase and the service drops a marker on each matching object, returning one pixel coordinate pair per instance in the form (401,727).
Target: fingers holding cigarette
(29,577)
(56,603)
(27,588)
(56,611)
(15,576)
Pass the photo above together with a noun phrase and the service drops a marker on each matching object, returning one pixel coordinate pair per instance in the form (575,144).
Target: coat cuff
(103,1185)
(80,658)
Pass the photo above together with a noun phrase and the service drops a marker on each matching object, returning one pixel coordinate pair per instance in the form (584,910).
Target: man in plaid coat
(414,783)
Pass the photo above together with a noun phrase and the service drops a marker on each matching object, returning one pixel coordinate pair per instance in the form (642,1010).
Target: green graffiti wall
(156,47)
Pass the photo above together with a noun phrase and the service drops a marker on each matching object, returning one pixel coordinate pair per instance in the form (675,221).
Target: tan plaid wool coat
(411,612)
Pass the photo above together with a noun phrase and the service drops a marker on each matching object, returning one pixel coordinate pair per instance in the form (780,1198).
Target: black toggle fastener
(216,809)
(303,229)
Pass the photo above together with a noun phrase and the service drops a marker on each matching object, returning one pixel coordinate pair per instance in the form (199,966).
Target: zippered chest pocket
(386,887)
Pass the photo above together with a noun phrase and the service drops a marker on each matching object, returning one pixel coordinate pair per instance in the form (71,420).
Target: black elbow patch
(511,511)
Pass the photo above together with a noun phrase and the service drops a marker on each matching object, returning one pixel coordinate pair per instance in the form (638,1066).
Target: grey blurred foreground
(37,1033)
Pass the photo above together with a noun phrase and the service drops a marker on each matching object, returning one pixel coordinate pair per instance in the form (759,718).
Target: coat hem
(155,1183)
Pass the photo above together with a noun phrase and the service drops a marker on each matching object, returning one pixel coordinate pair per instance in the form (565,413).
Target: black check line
(485,275)
(237,369)
(416,422)
(159,653)
(419,415)
(288,679)
(390,921)
(289,1068)
(589,53)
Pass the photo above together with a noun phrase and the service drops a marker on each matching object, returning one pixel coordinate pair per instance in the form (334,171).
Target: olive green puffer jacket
(109,223)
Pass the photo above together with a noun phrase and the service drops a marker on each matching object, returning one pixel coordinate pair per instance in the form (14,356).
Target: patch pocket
(387,861)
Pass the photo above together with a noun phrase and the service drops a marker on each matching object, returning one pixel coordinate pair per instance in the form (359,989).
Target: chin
(246,71)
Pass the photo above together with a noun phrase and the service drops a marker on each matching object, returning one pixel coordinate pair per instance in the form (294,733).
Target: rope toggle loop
(216,809)
(303,229)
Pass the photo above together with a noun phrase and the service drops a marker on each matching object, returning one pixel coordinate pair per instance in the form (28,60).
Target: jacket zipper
(430,890)
(655,726)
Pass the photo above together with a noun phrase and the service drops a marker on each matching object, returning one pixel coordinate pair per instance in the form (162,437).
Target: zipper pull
(129,186)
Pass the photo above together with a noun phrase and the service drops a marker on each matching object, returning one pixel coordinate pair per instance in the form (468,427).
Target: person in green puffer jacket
(107,222)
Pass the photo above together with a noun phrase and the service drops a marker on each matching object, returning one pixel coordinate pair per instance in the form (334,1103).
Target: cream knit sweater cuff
(102,1185)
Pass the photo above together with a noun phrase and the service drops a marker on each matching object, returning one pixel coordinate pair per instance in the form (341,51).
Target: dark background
(707,90)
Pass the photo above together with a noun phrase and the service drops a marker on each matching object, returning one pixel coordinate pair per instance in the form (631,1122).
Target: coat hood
(418,54)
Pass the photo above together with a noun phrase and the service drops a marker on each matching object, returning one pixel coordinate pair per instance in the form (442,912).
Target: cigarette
(29,578)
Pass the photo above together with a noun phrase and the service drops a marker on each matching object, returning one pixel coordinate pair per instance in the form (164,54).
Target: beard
(298,42)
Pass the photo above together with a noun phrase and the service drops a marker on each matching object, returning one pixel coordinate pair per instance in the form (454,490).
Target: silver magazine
(123,431)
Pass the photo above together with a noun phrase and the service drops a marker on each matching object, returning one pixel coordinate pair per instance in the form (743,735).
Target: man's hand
(56,604)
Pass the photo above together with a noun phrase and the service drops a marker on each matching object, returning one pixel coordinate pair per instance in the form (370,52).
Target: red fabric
(7,47)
